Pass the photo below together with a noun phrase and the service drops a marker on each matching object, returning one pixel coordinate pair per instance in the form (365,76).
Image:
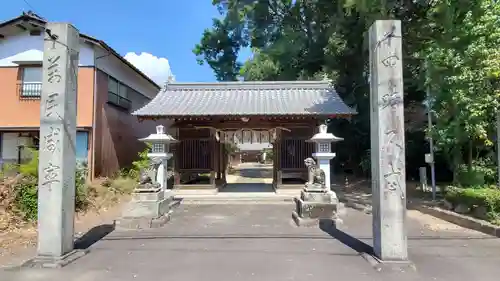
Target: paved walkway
(250,182)
(252,173)
(259,242)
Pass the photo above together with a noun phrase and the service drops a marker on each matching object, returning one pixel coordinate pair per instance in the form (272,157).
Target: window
(82,146)
(158,148)
(324,147)
(31,84)
(113,86)
(117,94)
(123,91)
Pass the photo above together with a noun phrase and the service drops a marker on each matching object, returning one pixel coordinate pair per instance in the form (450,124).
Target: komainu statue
(147,178)
(316,176)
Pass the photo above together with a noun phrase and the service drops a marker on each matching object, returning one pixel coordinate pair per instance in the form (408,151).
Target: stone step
(236,202)
(234,199)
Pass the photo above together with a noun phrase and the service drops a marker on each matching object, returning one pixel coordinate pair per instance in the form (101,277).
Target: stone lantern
(317,201)
(151,203)
(323,147)
(160,153)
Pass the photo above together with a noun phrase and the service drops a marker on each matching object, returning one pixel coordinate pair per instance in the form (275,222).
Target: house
(109,88)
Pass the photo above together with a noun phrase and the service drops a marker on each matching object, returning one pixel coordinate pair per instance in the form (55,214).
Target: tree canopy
(449,48)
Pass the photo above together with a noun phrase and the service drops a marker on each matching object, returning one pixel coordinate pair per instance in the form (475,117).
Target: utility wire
(29,5)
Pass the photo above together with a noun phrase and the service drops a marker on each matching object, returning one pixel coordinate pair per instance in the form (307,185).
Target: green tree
(463,65)
(301,39)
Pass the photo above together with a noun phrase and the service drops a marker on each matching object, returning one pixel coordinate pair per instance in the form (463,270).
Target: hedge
(474,197)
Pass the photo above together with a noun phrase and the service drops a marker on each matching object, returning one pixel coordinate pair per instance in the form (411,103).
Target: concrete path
(250,183)
(251,173)
(260,242)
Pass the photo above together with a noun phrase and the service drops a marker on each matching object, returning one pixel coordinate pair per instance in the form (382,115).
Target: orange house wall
(21,113)
(114,138)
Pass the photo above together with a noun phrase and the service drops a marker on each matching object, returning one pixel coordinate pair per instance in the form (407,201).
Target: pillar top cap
(323,136)
(159,137)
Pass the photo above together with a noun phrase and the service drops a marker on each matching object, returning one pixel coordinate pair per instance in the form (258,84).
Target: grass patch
(108,192)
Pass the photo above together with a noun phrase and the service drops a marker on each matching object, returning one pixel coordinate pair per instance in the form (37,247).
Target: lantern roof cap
(159,137)
(324,136)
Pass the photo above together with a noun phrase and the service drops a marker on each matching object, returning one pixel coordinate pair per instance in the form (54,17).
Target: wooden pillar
(219,159)
(224,162)
(213,158)
(275,166)
(279,177)
(176,164)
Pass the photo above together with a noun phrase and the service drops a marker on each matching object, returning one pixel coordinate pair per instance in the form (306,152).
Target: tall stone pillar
(57,164)
(387,141)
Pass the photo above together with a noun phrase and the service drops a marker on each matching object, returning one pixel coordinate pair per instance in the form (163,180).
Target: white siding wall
(113,66)
(24,47)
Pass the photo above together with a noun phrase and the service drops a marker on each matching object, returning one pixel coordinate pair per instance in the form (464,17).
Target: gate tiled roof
(246,99)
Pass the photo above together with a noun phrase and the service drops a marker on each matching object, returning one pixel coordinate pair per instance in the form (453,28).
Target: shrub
(26,197)
(83,192)
(140,164)
(26,189)
(474,197)
(30,168)
(482,171)
(8,170)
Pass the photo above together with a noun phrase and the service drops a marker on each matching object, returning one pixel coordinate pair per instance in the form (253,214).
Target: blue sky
(163,28)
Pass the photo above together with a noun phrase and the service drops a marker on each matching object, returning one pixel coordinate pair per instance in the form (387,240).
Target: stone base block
(308,222)
(313,212)
(148,208)
(131,223)
(54,262)
(380,265)
(315,196)
(148,196)
(341,210)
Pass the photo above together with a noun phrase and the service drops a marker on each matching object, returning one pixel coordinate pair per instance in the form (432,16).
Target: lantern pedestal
(147,209)
(162,175)
(315,206)
(324,164)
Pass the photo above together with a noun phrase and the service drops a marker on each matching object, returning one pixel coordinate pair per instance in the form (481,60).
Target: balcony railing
(29,90)
(119,101)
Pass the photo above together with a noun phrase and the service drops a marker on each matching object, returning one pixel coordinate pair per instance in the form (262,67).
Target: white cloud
(158,69)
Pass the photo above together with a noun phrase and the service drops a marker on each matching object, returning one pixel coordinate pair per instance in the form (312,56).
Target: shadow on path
(346,239)
(93,236)
(255,173)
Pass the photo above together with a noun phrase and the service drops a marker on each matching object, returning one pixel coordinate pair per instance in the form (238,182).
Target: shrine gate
(206,117)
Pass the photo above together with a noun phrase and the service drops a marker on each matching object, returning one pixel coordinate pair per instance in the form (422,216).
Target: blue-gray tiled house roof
(246,99)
